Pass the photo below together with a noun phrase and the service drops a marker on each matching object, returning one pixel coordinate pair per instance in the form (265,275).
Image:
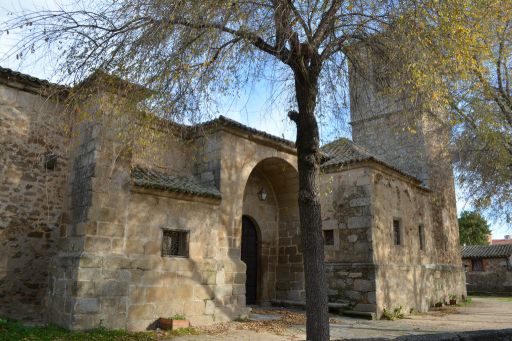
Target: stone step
(360,314)
(336,307)
(264,317)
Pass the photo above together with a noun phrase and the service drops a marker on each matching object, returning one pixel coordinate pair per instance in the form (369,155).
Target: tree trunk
(308,146)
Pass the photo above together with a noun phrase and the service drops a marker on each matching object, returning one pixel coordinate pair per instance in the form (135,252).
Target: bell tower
(413,141)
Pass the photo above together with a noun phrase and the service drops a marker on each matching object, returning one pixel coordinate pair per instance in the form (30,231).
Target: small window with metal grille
(397,238)
(329,237)
(175,243)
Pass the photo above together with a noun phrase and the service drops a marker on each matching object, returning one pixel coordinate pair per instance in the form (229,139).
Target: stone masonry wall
(346,210)
(495,279)
(65,284)
(120,278)
(407,275)
(32,209)
(417,144)
(111,271)
(389,138)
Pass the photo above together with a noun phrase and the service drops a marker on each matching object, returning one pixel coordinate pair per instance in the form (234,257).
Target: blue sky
(253,107)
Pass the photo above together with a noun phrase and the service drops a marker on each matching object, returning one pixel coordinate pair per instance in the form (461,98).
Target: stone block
(84,322)
(90,261)
(137,294)
(352,295)
(59,287)
(355,274)
(371,297)
(238,289)
(223,290)
(159,294)
(204,292)
(209,277)
(83,289)
(97,244)
(112,288)
(220,277)
(184,264)
(357,202)
(365,307)
(363,285)
(139,325)
(184,291)
(152,278)
(109,229)
(358,222)
(141,312)
(106,214)
(118,245)
(87,306)
(87,228)
(240,278)
(147,263)
(341,284)
(352,238)
(202,320)
(363,180)
(209,307)
(134,246)
(113,262)
(152,248)
(87,274)
(221,315)
(109,305)
(194,308)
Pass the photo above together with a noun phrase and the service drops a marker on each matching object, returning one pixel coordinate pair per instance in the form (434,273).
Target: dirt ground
(483,313)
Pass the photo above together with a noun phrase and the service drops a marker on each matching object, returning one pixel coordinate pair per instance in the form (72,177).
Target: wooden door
(250,258)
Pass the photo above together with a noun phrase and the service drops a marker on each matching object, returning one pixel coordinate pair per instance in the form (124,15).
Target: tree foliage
(473,229)
(462,68)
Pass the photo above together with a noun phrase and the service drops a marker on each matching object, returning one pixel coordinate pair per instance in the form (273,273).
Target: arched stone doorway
(249,255)
(280,274)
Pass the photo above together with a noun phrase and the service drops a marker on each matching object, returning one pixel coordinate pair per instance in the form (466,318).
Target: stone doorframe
(280,266)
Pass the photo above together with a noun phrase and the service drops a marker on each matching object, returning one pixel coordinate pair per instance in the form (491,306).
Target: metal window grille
(175,243)
(396,232)
(329,237)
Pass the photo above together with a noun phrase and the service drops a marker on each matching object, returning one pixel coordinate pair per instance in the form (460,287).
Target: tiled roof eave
(223,122)
(486,251)
(337,165)
(154,180)
(30,84)
(177,190)
(484,257)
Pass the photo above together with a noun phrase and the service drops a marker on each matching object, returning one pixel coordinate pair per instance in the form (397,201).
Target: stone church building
(92,234)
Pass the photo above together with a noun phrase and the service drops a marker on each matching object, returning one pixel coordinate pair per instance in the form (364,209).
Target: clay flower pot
(453,301)
(171,324)
(177,324)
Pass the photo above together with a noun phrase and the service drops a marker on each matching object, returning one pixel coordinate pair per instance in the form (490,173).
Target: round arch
(279,256)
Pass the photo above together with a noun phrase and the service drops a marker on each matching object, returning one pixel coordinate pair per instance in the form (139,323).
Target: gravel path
(483,313)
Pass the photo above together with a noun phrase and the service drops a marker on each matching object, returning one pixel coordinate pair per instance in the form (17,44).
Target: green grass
(495,298)
(11,330)
(394,314)
(465,302)
(185,331)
